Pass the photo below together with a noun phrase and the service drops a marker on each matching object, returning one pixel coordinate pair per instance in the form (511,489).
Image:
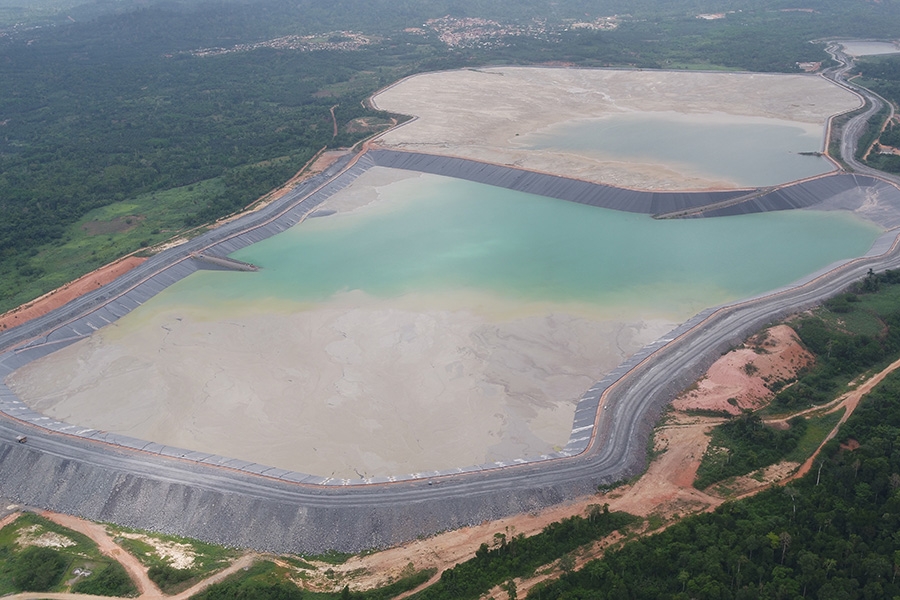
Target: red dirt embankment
(739,380)
(67,293)
(70,291)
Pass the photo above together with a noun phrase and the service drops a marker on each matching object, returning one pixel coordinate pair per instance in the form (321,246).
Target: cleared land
(740,380)
(480,114)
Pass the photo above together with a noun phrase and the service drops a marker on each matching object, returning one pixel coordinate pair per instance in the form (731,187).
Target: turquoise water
(747,151)
(443,236)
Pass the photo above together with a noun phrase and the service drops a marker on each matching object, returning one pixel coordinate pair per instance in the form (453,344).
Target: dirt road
(97,533)
(147,590)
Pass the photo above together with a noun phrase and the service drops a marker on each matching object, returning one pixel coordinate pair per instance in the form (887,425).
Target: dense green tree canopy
(106,102)
(832,534)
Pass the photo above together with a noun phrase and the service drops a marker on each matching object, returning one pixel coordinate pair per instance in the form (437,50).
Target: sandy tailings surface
(360,390)
(357,386)
(484,114)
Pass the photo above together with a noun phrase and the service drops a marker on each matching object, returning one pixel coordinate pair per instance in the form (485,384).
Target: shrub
(167,577)
(37,569)
(111,581)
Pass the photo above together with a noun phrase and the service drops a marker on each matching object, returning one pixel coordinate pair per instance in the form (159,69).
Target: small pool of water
(746,151)
(870,48)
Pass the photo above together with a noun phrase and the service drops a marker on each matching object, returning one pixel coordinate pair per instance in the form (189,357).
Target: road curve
(103,482)
(856,126)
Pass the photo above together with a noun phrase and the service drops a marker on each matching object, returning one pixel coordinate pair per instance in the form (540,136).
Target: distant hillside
(168,114)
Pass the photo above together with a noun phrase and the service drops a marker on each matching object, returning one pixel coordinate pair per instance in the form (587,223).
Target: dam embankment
(803,194)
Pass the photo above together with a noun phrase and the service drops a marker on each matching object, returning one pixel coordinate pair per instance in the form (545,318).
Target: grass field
(175,563)
(817,428)
(108,233)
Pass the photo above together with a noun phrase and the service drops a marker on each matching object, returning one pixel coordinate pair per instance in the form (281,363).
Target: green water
(748,151)
(442,236)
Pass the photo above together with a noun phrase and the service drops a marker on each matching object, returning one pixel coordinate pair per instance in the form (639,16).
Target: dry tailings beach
(670,129)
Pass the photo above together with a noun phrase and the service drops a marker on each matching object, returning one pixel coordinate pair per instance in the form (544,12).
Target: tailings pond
(746,151)
(428,323)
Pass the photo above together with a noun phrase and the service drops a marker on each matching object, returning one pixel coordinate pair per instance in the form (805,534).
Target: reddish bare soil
(748,485)
(323,162)
(850,445)
(68,292)
(739,379)
(666,489)
(9,519)
(316,165)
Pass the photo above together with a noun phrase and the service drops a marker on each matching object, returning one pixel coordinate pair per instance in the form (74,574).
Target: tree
(111,581)
(793,493)
(785,540)
(683,578)
(37,569)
